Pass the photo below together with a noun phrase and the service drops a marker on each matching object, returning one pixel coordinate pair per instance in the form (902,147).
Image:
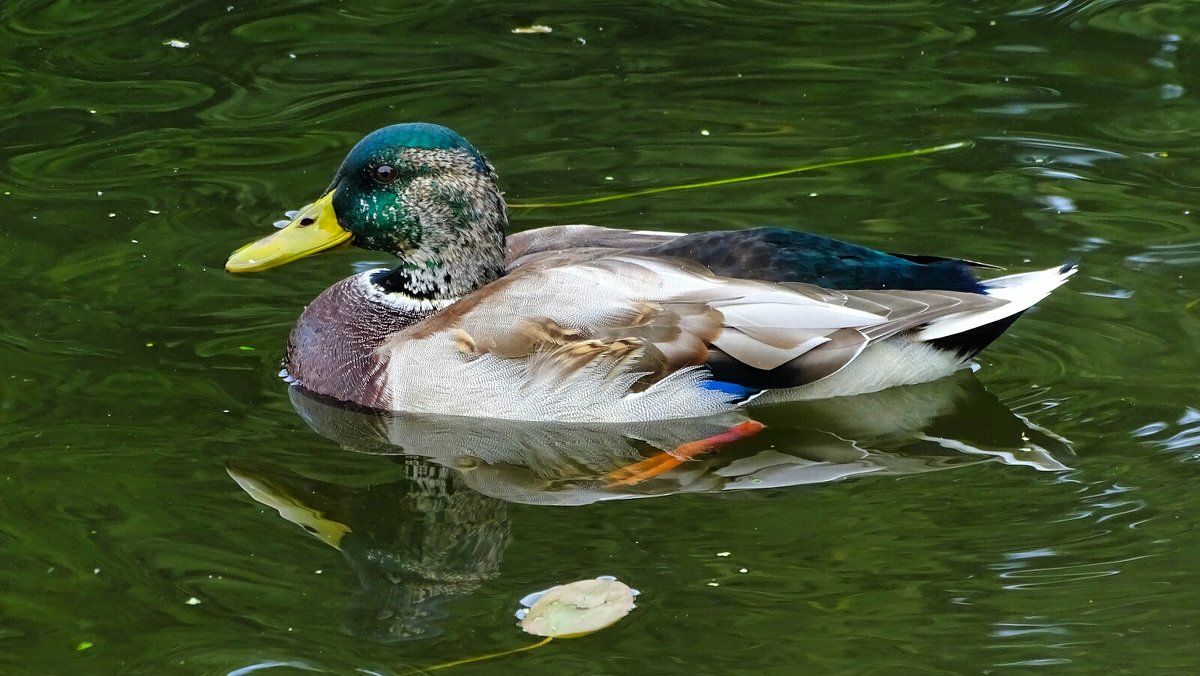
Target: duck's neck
(461,246)
(437,279)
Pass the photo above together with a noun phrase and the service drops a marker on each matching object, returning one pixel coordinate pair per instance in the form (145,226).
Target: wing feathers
(804,315)
(647,318)
(1019,293)
(752,352)
(838,350)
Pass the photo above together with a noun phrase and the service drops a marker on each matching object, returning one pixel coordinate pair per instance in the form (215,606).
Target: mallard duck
(583,323)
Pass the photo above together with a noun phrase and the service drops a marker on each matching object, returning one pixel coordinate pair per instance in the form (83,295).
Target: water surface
(929,531)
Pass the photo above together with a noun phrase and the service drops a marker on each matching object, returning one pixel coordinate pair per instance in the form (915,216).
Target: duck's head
(418,191)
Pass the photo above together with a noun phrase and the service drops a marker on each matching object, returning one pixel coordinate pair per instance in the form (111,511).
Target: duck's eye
(384,173)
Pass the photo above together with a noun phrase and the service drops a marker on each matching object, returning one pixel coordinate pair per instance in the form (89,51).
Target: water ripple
(1030,577)
(1181,253)
(1180,437)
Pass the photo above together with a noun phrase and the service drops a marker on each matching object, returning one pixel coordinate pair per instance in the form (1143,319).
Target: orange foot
(667,460)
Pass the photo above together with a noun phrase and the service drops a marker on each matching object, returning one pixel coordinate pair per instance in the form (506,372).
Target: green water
(919,531)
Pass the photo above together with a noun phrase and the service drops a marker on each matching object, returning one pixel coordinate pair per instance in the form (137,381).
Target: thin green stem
(741,179)
(490,656)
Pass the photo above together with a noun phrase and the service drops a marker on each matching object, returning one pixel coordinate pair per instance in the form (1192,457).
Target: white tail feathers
(1021,291)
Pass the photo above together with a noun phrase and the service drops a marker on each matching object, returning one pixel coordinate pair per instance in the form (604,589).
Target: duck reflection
(440,531)
(926,427)
(413,543)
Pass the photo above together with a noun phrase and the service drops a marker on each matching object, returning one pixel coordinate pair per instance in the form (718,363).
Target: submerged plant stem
(490,656)
(741,179)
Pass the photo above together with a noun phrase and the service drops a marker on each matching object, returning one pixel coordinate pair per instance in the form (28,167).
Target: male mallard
(582,323)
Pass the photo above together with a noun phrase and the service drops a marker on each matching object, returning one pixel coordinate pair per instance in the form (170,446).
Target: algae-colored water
(1037,516)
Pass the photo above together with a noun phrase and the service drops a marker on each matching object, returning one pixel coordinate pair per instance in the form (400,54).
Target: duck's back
(765,254)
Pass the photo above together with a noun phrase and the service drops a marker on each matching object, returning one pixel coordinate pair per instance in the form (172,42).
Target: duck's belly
(434,376)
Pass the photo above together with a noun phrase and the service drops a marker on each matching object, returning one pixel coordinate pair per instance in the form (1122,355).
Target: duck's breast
(334,348)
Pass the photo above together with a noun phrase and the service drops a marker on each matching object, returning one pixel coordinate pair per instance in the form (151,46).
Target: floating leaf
(83,645)
(577,609)
(566,611)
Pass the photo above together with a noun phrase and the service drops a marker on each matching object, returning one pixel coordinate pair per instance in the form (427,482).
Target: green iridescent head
(418,191)
(400,180)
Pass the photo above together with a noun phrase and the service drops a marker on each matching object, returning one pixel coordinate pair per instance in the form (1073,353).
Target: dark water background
(134,370)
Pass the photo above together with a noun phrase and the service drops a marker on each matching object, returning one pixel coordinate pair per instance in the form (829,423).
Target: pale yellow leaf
(578,608)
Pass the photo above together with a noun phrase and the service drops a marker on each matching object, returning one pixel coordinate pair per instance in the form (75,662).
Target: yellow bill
(315,228)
